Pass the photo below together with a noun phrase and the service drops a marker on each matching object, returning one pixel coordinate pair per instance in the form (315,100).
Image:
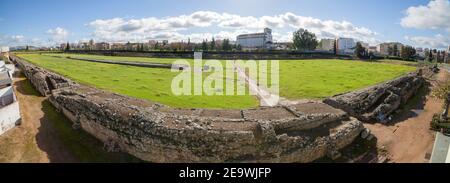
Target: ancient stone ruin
(301,132)
(377,103)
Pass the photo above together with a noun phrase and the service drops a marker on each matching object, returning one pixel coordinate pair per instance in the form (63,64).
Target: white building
(345,45)
(256,40)
(326,44)
(4,49)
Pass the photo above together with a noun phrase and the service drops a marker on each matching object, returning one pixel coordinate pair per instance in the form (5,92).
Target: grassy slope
(323,78)
(145,83)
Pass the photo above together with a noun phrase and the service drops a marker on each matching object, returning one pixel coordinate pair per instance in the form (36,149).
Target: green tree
(304,40)
(408,53)
(360,51)
(213,44)
(67,46)
(226,45)
(335,47)
(204,46)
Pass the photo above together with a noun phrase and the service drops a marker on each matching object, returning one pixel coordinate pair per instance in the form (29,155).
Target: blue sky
(47,22)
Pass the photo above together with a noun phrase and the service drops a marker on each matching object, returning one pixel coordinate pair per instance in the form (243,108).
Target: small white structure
(256,40)
(9,110)
(4,49)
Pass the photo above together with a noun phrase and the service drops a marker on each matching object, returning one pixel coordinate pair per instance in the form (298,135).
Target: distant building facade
(256,40)
(389,48)
(345,45)
(4,49)
(326,44)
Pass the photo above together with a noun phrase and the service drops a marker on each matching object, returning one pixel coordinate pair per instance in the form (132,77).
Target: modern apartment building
(256,40)
(345,45)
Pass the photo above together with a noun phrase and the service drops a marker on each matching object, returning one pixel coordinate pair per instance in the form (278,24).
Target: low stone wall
(378,102)
(158,133)
(43,80)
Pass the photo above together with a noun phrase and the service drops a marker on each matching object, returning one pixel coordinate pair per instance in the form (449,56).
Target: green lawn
(324,78)
(115,58)
(145,83)
(299,79)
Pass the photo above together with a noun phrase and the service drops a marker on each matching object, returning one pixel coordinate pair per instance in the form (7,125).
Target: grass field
(145,83)
(299,79)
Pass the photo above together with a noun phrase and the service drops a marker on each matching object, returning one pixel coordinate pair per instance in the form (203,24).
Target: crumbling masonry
(153,132)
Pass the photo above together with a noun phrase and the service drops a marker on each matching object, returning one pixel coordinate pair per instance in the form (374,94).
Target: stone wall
(379,102)
(158,133)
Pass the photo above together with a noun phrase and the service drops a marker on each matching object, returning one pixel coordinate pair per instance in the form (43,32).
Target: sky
(420,23)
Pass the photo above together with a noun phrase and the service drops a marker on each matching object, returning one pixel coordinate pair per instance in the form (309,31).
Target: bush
(438,124)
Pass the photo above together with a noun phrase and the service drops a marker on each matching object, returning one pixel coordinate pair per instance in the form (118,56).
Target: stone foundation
(378,102)
(158,133)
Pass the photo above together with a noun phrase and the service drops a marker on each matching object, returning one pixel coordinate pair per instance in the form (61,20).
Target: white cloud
(12,40)
(120,29)
(58,34)
(435,15)
(438,41)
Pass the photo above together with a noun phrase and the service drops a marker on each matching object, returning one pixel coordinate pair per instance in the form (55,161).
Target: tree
(67,46)
(304,40)
(408,53)
(213,44)
(335,47)
(239,47)
(204,46)
(430,55)
(156,45)
(360,51)
(27,48)
(226,45)
(442,91)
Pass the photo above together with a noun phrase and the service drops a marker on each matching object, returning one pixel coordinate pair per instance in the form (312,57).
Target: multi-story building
(345,45)
(326,44)
(420,52)
(255,40)
(392,49)
(102,46)
(372,49)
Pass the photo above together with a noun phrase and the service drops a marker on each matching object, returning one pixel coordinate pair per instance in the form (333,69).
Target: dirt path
(35,140)
(409,139)
(266,98)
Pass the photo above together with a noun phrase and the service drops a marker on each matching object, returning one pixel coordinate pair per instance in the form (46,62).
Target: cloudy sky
(420,23)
